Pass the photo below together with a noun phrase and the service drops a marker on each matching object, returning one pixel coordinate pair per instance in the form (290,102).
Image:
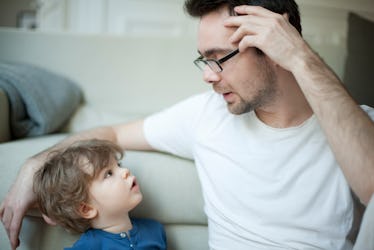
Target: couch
(123,78)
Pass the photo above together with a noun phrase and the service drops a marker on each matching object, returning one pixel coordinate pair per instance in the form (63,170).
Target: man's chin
(238,109)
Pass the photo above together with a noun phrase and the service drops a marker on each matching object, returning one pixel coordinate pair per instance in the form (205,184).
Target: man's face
(248,80)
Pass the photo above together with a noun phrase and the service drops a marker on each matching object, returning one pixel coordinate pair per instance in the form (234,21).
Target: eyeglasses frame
(218,62)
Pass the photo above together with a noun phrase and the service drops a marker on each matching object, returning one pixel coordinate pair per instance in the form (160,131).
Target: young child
(84,189)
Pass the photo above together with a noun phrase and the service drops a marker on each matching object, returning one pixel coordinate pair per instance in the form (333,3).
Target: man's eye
(119,164)
(108,174)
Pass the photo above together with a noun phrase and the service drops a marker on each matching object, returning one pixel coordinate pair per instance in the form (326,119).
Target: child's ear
(87,211)
(49,220)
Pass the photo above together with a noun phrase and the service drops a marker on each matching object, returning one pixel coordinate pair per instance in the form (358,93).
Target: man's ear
(285,15)
(87,211)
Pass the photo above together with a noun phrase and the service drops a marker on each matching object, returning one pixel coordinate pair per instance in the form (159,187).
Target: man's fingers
(12,223)
(243,31)
(253,10)
(234,21)
(14,230)
(15,244)
(248,41)
(6,219)
(237,21)
(248,25)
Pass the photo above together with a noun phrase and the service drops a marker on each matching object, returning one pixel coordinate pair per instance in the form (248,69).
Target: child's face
(114,192)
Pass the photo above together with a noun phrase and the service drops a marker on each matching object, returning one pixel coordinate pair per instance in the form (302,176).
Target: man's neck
(290,107)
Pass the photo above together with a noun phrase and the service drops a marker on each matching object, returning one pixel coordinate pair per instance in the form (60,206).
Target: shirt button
(123,235)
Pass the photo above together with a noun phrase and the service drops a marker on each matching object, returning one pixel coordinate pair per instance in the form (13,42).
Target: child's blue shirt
(145,235)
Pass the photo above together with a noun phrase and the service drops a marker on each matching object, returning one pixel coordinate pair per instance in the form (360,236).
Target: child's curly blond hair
(62,184)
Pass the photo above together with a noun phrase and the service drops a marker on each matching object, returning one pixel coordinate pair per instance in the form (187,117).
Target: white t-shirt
(263,187)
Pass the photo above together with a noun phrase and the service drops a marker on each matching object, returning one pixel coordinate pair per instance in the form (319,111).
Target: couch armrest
(4,117)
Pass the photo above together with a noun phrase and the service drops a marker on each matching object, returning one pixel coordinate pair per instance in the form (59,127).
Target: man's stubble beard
(262,97)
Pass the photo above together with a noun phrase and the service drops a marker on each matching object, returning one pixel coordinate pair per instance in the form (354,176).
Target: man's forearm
(349,130)
(128,136)
(105,133)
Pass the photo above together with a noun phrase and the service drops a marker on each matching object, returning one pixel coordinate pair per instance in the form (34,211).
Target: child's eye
(108,173)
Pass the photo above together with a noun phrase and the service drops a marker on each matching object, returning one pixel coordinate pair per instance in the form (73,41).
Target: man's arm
(349,130)
(21,197)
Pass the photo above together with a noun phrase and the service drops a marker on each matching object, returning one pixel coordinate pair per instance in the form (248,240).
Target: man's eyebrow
(210,52)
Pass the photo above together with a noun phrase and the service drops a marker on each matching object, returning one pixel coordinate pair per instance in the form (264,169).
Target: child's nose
(126,173)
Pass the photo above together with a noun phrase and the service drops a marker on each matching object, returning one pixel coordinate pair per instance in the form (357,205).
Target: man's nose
(126,173)
(209,76)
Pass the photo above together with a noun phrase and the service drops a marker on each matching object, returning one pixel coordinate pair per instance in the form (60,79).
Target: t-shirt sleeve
(173,129)
(369,111)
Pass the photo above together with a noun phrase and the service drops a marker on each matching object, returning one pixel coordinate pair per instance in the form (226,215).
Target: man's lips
(228,96)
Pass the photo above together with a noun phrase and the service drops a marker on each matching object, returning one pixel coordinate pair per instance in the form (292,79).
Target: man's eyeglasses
(214,65)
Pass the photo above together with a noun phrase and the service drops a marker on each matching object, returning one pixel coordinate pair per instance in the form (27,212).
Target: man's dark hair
(199,8)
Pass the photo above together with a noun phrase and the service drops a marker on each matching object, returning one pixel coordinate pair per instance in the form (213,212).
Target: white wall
(324,21)
(166,17)
(116,17)
(325,26)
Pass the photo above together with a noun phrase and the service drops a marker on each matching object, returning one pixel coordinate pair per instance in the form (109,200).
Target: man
(278,144)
